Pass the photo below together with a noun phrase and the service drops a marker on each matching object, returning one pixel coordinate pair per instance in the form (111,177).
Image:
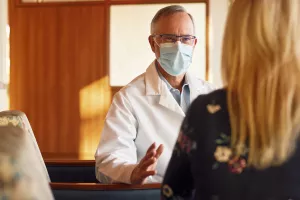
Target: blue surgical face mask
(175,58)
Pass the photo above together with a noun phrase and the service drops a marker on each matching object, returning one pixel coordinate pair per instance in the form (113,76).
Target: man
(150,109)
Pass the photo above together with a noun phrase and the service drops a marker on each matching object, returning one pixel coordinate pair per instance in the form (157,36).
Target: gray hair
(167,11)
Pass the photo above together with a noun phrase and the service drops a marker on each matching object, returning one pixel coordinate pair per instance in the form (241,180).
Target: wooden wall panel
(58,69)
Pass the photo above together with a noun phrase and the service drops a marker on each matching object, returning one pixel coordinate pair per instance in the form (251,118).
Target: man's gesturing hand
(147,165)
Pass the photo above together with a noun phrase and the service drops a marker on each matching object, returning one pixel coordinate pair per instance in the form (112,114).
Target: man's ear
(152,43)
(196,40)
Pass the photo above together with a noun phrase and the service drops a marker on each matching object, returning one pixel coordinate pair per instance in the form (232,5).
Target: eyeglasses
(170,38)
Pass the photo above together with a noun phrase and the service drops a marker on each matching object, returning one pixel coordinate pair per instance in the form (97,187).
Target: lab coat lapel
(156,86)
(167,100)
(194,85)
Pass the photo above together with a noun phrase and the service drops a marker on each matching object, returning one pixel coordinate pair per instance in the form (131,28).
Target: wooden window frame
(107,2)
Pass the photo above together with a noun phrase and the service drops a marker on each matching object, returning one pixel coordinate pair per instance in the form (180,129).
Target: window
(130,52)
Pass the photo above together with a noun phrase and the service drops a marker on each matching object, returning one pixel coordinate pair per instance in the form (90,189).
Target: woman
(242,142)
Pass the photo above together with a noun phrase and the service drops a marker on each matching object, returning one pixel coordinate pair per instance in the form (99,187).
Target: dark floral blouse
(204,167)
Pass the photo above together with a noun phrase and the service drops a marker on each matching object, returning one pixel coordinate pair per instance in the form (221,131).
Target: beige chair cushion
(22,175)
(19,119)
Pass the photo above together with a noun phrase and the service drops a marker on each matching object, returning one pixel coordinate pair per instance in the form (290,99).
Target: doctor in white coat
(144,119)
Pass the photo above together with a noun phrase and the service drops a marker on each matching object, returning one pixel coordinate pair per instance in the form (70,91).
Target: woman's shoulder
(207,109)
(214,98)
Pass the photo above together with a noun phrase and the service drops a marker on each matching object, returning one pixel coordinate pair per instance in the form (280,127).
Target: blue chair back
(67,191)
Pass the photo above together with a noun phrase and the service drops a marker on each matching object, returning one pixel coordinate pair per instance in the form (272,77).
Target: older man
(150,109)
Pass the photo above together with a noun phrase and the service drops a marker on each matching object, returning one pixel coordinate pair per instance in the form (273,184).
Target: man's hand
(147,165)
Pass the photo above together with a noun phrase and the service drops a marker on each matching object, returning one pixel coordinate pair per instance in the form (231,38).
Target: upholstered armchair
(19,119)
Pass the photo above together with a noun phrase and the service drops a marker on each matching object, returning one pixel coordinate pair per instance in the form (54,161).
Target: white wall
(3,38)
(218,12)
(4,78)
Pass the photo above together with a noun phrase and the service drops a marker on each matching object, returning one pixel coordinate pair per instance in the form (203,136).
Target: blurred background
(61,62)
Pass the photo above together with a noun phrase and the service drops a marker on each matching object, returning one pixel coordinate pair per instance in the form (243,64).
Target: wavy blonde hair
(261,71)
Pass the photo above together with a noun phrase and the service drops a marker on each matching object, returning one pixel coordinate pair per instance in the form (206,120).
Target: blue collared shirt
(183,98)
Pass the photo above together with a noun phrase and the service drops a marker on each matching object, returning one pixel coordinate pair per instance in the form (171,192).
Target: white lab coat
(141,113)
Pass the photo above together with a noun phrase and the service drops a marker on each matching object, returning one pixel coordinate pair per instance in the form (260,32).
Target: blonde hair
(261,71)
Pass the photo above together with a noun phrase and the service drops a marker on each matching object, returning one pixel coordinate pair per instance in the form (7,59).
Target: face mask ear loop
(155,42)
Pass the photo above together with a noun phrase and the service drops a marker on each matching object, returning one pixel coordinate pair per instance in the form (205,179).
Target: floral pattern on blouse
(213,108)
(179,165)
(167,191)
(185,143)
(237,164)
(224,154)
(213,170)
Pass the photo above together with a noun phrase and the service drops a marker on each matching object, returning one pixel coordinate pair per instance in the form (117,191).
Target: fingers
(147,163)
(140,178)
(148,173)
(151,148)
(149,155)
(159,151)
(150,152)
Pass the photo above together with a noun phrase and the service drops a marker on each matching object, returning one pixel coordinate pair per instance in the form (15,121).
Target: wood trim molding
(19,3)
(126,2)
(207,42)
(98,186)
(107,2)
(115,89)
